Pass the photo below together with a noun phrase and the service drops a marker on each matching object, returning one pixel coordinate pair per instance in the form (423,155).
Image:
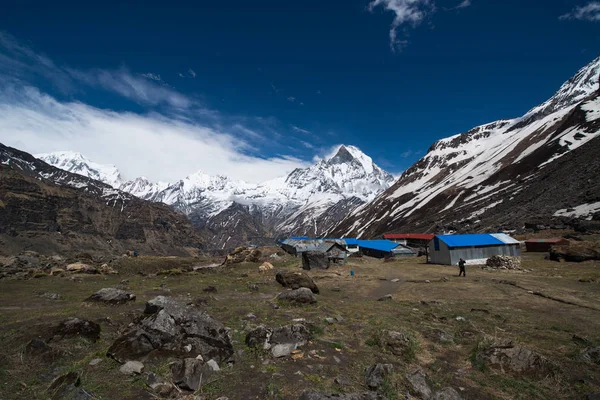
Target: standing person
(461,265)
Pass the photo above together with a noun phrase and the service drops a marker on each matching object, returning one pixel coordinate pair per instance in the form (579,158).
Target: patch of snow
(583,210)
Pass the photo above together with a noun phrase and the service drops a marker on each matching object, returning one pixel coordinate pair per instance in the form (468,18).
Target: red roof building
(416,240)
(544,245)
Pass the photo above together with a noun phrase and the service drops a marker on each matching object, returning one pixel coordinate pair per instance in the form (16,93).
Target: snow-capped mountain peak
(77,163)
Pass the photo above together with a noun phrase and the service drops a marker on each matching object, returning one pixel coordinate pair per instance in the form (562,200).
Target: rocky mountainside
(46,209)
(307,201)
(541,168)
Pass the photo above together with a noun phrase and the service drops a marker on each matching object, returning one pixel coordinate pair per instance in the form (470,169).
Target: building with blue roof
(473,248)
(384,249)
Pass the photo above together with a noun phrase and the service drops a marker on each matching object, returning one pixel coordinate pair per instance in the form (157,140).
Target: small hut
(473,248)
(544,245)
(314,260)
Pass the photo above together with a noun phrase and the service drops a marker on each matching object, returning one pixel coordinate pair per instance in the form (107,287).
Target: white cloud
(156,146)
(300,130)
(154,77)
(407,12)
(192,73)
(307,145)
(463,4)
(291,99)
(588,12)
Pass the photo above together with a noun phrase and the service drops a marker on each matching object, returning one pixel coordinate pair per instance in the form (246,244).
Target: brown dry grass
(418,308)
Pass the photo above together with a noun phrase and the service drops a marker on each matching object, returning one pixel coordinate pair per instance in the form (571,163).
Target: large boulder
(243,254)
(76,327)
(397,342)
(377,373)
(112,296)
(312,395)
(82,268)
(296,280)
(301,296)
(176,329)
(315,260)
(509,357)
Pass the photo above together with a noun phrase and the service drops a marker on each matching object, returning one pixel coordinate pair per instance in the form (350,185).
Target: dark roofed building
(384,249)
(544,245)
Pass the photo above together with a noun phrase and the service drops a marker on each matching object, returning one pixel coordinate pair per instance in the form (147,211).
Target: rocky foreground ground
(258,327)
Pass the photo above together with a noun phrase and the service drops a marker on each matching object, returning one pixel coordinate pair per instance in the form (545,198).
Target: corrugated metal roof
(403,250)
(299,237)
(476,239)
(504,238)
(381,245)
(414,236)
(351,242)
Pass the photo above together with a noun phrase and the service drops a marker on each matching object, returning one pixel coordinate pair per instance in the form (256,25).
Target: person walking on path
(461,265)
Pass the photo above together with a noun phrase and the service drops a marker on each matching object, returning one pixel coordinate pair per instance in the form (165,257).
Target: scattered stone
(51,296)
(444,279)
(297,334)
(397,342)
(377,373)
(108,270)
(259,337)
(210,289)
(66,387)
(590,355)
(581,341)
(213,365)
(95,361)
(191,374)
(312,395)
(419,384)
(250,317)
(158,303)
(339,318)
(447,393)
(504,262)
(461,319)
(243,254)
(55,271)
(39,348)
(342,380)
(296,280)
(387,297)
(157,384)
(171,329)
(337,359)
(76,327)
(282,350)
(112,296)
(427,281)
(330,321)
(302,296)
(442,336)
(132,368)
(253,287)
(396,280)
(187,348)
(512,358)
(81,268)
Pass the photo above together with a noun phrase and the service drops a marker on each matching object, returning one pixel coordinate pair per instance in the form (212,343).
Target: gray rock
(591,355)
(312,395)
(76,327)
(447,393)
(387,297)
(330,321)
(302,296)
(67,387)
(342,380)
(296,280)
(283,350)
(377,373)
(156,304)
(213,365)
(259,337)
(50,296)
(172,329)
(396,280)
(111,296)
(509,357)
(337,359)
(397,342)
(132,368)
(159,385)
(250,317)
(297,334)
(191,374)
(419,385)
(95,361)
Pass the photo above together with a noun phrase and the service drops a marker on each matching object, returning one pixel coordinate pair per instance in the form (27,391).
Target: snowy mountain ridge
(478,180)
(287,204)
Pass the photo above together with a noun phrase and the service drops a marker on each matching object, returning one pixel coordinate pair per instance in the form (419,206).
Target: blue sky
(255,89)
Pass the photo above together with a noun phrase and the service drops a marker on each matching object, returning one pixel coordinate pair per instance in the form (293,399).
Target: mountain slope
(499,175)
(307,201)
(50,210)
